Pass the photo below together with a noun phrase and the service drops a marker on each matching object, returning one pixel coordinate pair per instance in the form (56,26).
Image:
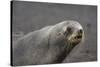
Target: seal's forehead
(73,24)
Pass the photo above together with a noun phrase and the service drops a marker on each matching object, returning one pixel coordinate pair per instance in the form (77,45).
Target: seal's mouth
(75,38)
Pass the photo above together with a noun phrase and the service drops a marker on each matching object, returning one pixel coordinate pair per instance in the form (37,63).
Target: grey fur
(43,46)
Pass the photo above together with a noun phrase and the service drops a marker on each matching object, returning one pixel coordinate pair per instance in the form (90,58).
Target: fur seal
(50,44)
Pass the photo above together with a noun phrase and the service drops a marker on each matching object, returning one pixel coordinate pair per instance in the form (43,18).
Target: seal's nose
(79,35)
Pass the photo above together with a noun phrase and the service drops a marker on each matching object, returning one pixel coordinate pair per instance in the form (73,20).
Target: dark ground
(30,16)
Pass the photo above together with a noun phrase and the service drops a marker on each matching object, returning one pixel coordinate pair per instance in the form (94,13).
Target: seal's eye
(80,31)
(69,29)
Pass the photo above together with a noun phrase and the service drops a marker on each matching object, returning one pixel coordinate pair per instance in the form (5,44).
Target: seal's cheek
(58,35)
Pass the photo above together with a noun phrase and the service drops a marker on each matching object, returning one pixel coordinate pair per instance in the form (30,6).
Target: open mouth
(76,39)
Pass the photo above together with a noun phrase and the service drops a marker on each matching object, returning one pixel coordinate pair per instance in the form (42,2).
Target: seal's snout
(75,36)
(79,35)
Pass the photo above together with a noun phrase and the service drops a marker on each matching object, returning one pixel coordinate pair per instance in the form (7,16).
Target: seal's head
(64,36)
(73,32)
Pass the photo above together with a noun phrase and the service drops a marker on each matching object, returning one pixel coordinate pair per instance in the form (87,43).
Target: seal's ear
(58,35)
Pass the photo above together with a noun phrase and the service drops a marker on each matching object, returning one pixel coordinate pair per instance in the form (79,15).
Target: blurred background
(31,16)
